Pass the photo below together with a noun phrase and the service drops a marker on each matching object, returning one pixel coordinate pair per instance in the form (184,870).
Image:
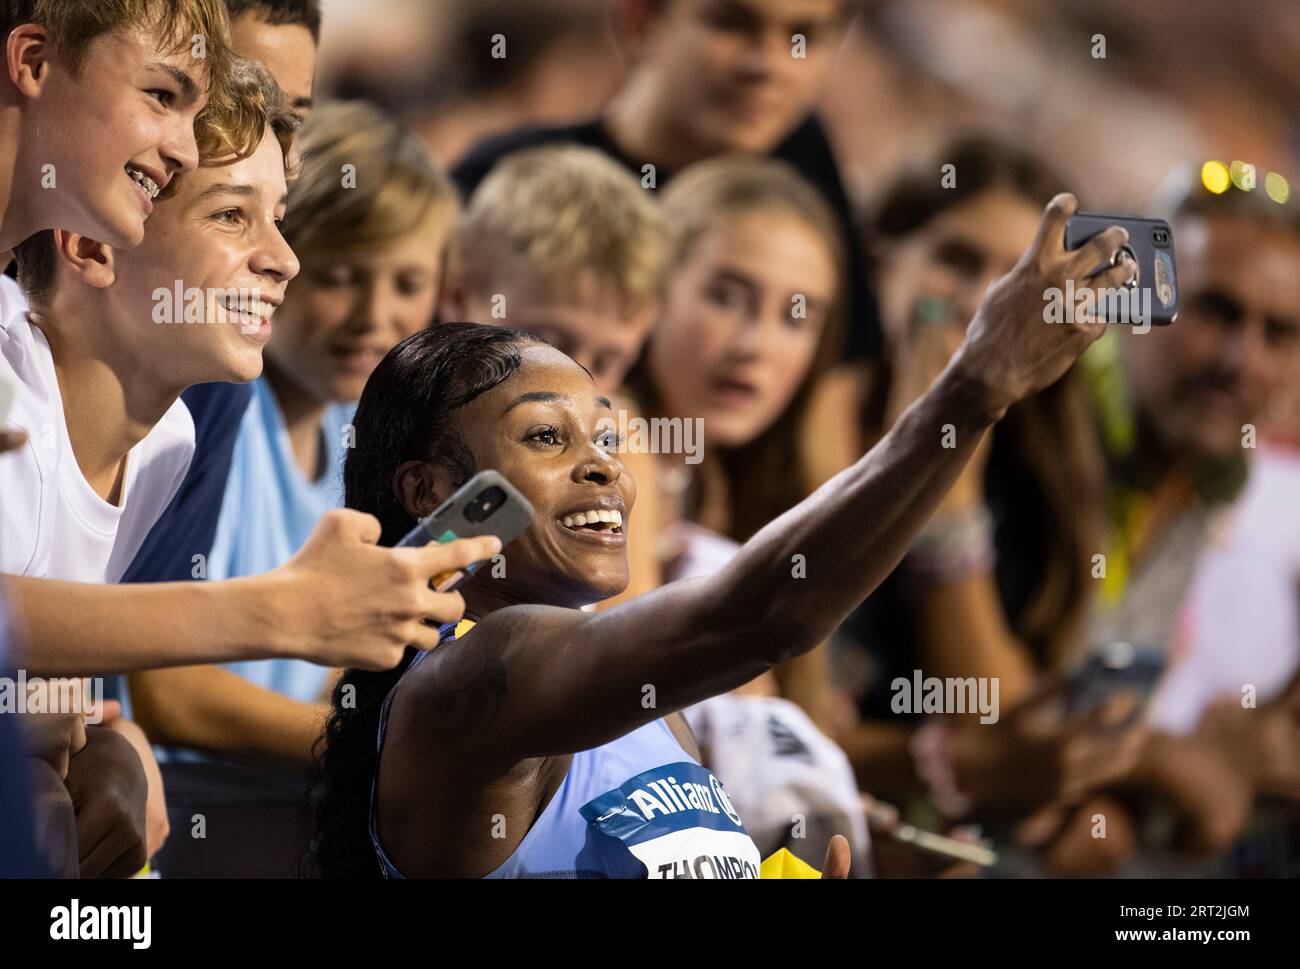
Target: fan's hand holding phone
(1111,671)
(487,504)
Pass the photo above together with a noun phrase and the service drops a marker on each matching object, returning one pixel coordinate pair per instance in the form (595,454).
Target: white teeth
(261,311)
(613,517)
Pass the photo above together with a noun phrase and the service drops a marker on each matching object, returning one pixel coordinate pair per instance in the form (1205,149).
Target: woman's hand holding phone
(1011,351)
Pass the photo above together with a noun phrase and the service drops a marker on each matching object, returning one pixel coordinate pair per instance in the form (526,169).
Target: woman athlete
(545,741)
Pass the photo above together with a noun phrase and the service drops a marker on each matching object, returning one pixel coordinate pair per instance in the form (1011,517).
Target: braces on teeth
(144,181)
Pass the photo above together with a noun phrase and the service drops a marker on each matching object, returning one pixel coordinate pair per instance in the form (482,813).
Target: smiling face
(550,432)
(341,317)
(286,50)
(731,65)
(731,346)
(115,132)
(218,234)
(1236,340)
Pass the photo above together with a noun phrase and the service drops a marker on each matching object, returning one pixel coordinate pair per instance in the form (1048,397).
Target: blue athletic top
(637,807)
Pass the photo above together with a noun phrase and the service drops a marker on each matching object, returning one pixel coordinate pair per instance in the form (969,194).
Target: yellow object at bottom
(783,864)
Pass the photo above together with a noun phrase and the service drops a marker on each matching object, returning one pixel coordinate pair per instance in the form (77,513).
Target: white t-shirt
(1241,619)
(52,523)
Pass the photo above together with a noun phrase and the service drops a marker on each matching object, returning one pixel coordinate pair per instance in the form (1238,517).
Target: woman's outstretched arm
(535,681)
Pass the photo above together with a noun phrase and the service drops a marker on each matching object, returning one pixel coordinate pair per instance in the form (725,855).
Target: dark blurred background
(1183,81)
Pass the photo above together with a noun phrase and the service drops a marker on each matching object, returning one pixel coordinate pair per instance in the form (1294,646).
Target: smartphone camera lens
(485,504)
(1160,237)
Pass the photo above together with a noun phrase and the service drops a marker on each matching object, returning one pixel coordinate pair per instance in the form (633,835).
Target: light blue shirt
(267,513)
(639,806)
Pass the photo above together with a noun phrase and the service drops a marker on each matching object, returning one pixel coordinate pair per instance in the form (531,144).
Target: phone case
(1114,669)
(1154,295)
(457,517)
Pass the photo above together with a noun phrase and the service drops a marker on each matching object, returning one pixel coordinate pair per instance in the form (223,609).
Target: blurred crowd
(777,218)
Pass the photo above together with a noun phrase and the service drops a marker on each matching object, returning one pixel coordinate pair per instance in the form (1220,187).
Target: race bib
(674,821)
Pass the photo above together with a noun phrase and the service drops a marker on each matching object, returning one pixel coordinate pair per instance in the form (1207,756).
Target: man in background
(711,78)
